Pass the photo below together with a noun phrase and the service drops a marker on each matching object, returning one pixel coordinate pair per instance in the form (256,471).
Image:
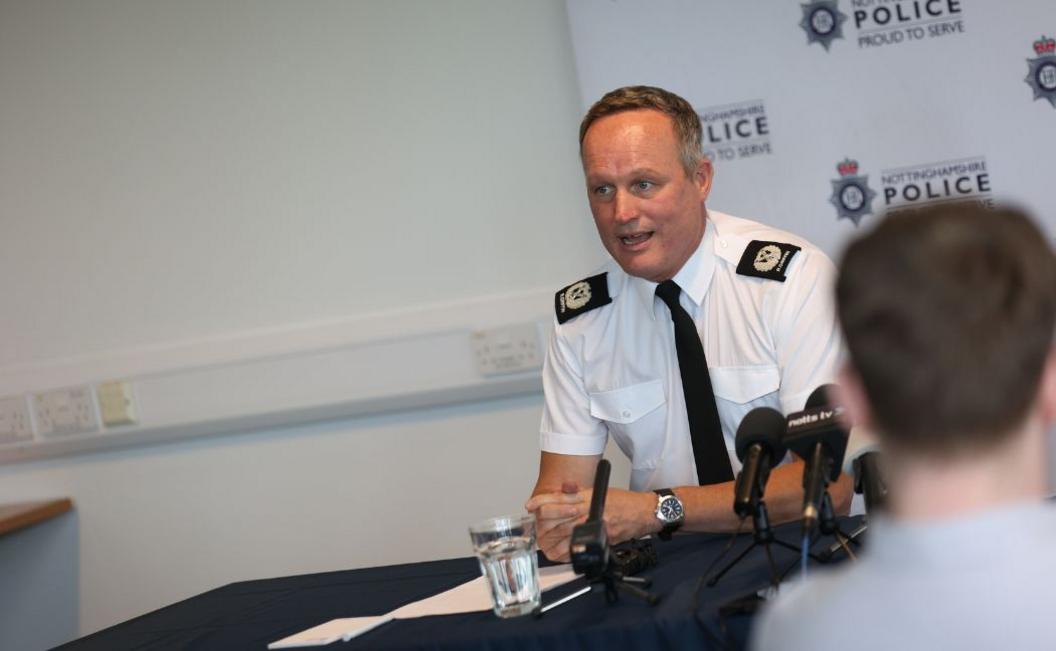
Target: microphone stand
(615,580)
(855,537)
(868,482)
(828,527)
(591,555)
(763,536)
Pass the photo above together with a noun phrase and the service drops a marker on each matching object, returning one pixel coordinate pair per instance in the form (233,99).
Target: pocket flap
(627,404)
(743,384)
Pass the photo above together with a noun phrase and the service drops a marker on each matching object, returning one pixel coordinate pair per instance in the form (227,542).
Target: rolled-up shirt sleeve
(567,426)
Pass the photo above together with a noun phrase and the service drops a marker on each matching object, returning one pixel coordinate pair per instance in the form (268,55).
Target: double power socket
(68,411)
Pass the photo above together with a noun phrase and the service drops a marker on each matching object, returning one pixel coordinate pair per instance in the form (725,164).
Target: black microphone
(601,489)
(820,397)
(816,435)
(589,546)
(869,481)
(864,462)
(759,447)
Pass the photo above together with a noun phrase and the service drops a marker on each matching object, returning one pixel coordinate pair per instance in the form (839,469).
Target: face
(649,213)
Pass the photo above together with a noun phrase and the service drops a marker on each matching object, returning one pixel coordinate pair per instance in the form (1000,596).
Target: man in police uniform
(759,300)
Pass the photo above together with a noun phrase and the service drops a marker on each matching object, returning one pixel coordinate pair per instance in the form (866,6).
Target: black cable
(726,549)
(695,601)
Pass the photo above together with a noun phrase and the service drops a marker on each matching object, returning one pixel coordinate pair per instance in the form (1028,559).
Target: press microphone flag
(818,424)
(816,435)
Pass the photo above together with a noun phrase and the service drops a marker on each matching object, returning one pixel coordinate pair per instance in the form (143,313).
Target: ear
(850,393)
(1047,390)
(703,176)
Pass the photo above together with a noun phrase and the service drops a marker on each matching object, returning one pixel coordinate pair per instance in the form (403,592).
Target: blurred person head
(949,314)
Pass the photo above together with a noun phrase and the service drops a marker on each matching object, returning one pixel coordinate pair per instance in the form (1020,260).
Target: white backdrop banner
(820,115)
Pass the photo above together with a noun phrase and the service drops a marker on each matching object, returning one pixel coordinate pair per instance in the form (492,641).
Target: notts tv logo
(851,193)
(733,131)
(1042,70)
(877,23)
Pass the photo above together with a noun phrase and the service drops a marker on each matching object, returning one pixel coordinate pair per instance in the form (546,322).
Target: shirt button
(626,413)
(722,243)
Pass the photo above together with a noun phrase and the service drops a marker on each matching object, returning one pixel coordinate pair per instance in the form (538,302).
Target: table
(25,514)
(250,614)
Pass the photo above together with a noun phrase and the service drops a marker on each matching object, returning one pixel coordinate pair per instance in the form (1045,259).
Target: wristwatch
(669,512)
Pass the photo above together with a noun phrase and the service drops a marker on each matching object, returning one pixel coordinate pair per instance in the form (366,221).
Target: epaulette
(767,259)
(582,296)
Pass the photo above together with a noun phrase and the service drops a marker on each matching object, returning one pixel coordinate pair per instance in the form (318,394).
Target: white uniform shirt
(614,369)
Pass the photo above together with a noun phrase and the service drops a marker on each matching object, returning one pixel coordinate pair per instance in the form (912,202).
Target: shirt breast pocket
(635,420)
(740,389)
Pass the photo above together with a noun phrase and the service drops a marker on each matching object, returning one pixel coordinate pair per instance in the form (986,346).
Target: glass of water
(505,547)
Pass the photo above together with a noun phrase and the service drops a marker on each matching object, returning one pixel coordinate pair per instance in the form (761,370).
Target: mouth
(634,241)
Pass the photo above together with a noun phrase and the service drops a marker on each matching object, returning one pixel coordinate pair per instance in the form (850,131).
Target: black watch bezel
(669,527)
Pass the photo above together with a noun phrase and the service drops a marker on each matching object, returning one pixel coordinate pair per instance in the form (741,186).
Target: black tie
(709,446)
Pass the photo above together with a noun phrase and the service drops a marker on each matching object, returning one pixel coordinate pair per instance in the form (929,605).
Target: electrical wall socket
(508,349)
(14,420)
(65,411)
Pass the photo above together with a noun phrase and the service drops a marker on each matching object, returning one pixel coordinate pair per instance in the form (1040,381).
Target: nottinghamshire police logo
(822,21)
(1042,70)
(735,131)
(880,23)
(850,193)
(960,179)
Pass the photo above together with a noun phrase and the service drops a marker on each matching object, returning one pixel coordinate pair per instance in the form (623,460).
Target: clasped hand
(627,515)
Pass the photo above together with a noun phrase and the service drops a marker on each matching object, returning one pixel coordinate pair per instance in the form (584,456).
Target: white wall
(175,169)
(162,523)
(172,171)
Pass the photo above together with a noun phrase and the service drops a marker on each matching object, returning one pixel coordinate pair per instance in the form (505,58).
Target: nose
(624,207)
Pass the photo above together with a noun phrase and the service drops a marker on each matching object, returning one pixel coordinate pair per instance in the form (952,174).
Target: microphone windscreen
(765,426)
(821,397)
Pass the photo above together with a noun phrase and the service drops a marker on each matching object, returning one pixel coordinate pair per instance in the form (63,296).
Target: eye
(603,190)
(643,186)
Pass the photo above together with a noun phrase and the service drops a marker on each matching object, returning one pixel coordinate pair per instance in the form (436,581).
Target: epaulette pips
(581,297)
(767,259)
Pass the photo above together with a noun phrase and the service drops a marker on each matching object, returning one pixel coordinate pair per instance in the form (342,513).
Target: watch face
(671,509)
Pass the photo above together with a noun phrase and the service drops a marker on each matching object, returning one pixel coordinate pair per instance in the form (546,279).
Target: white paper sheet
(471,596)
(336,629)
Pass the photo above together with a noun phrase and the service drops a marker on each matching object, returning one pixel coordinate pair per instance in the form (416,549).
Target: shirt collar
(694,277)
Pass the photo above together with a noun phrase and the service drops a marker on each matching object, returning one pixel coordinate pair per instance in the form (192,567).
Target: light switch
(116,405)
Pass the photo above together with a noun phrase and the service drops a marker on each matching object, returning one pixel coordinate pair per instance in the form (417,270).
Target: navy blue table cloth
(250,614)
